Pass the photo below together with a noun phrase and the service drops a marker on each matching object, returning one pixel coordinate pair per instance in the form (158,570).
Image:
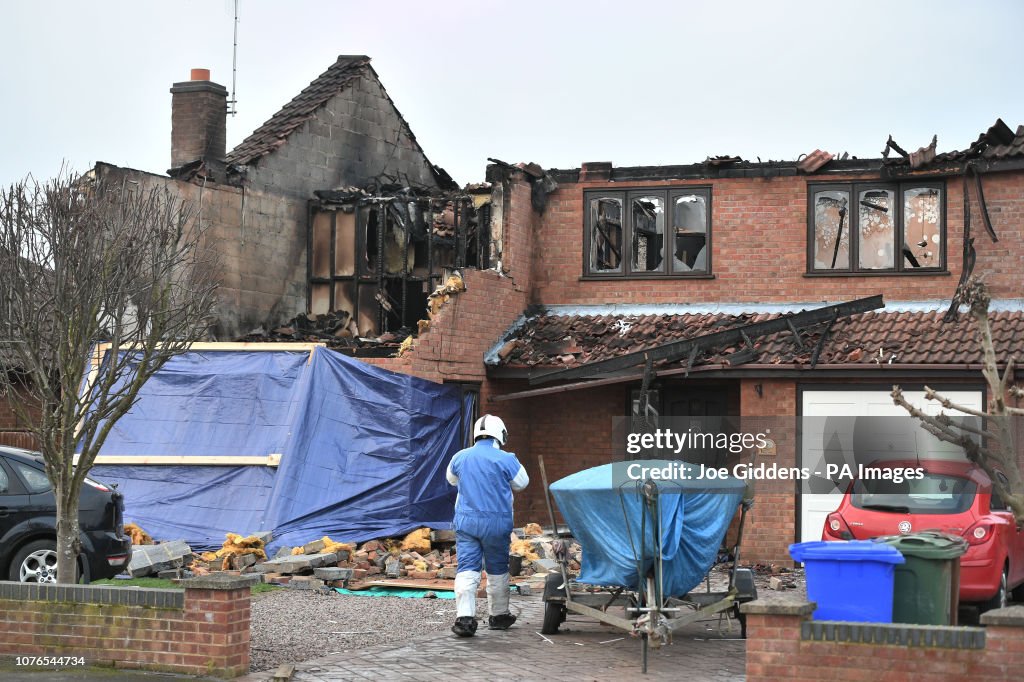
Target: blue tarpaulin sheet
(608,517)
(363,450)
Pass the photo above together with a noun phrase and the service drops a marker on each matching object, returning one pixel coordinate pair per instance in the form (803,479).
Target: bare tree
(101,283)
(992,445)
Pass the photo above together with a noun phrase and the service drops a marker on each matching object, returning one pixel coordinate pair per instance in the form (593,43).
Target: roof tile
(872,338)
(274,132)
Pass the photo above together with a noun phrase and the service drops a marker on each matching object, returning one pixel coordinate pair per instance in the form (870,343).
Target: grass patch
(260,588)
(159,583)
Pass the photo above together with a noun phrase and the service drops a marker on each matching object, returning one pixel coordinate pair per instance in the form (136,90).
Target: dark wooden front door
(702,410)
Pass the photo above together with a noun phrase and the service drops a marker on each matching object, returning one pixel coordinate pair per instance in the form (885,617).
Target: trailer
(669,557)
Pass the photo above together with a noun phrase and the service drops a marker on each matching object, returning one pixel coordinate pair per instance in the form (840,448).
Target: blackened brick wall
(349,141)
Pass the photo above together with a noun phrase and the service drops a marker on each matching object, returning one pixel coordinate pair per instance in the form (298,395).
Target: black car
(28,522)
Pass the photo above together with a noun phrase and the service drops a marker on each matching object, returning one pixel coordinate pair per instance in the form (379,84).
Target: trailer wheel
(554,607)
(554,615)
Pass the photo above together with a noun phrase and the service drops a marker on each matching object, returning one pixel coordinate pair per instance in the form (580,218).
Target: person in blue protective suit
(486,476)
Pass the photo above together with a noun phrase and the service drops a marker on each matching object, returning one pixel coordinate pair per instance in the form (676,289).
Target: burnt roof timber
(676,350)
(735,170)
(952,168)
(900,373)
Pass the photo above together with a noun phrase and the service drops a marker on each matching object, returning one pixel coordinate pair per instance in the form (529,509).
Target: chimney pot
(200,74)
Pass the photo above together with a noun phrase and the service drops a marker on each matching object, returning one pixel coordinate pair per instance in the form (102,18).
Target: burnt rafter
(688,348)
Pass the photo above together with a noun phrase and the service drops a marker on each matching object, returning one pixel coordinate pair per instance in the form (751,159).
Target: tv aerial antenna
(234,67)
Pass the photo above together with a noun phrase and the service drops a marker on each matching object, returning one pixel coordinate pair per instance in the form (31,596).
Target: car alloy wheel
(39,567)
(1002,600)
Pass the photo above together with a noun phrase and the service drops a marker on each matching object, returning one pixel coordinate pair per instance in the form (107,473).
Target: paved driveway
(583,650)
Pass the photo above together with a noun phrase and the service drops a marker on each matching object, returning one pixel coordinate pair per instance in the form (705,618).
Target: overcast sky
(555,82)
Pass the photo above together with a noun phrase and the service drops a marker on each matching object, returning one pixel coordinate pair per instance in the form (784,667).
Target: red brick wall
(759,241)
(519,236)
(465,328)
(775,651)
(771,522)
(209,636)
(572,431)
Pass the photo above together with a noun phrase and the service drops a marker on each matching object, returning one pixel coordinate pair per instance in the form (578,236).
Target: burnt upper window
(876,228)
(647,232)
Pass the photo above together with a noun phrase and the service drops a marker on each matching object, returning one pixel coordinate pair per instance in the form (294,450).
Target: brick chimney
(198,119)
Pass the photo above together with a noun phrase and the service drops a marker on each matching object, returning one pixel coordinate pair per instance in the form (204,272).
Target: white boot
(497,602)
(497,594)
(466,585)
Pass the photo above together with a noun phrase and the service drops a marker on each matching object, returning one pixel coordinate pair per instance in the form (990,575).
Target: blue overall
(483,509)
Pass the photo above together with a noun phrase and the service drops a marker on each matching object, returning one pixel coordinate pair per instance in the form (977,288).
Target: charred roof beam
(678,350)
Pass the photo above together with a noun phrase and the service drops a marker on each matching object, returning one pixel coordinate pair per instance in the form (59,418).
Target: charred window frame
(647,232)
(876,228)
(378,258)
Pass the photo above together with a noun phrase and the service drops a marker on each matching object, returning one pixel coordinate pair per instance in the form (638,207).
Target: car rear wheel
(1018,593)
(36,562)
(1001,598)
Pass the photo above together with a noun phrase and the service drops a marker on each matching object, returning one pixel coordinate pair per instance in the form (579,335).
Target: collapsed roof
(549,340)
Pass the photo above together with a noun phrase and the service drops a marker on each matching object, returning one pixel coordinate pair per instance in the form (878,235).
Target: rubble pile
(422,555)
(236,554)
(164,559)
(138,536)
(337,329)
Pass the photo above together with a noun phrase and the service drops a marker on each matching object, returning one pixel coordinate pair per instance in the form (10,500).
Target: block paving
(582,650)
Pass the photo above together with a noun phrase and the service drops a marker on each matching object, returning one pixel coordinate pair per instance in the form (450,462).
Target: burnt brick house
(342,131)
(336,169)
(626,260)
(568,276)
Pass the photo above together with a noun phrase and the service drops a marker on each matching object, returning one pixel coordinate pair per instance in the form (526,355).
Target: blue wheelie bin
(851,580)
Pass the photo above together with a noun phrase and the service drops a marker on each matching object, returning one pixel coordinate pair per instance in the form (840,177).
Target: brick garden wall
(784,644)
(759,241)
(201,630)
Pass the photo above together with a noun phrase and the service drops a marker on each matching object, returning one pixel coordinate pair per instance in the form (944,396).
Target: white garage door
(863,403)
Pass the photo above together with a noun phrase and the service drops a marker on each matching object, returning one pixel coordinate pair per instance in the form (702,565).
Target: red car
(955,497)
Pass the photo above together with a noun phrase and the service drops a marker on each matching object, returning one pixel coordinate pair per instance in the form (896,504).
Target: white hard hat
(491,427)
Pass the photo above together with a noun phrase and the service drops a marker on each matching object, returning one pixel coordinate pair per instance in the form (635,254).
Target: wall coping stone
(897,634)
(1012,616)
(93,594)
(764,607)
(220,582)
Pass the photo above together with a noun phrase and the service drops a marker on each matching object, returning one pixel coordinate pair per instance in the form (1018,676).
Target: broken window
(664,232)
(922,237)
(895,228)
(690,225)
(831,230)
(606,234)
(378,257)
(876,229)
(648,233)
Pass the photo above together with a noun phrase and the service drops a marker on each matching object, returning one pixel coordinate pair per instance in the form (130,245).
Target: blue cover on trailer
(606,518)
(363,449)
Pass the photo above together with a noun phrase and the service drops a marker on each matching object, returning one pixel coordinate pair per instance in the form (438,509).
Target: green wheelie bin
(926,588)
